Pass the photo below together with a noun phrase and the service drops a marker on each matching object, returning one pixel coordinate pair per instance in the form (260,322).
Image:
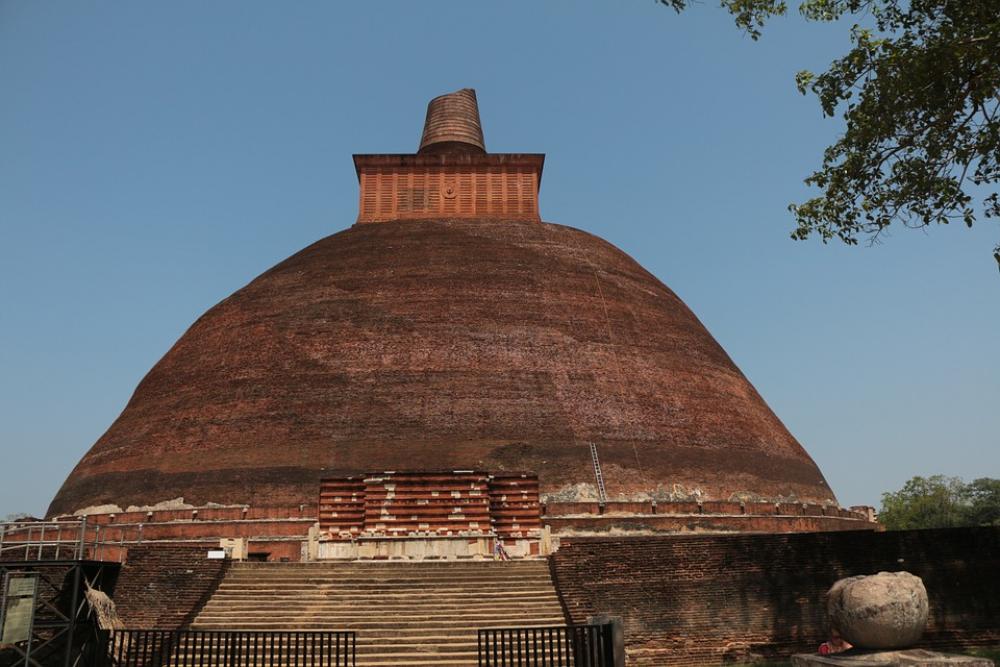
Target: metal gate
(227,648)
(555,646)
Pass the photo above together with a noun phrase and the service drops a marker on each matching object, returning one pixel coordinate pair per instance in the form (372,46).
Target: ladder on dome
(601,493)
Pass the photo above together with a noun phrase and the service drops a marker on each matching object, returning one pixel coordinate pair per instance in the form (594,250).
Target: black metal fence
(229,648)
(556,646)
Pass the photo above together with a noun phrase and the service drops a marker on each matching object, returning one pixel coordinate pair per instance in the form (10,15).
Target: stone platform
(913,657)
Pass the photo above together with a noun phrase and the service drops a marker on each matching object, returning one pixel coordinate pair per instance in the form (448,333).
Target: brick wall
(718,523)
(164,587)
(558,509)
(711,600)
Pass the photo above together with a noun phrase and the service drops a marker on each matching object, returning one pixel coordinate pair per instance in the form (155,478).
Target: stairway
(404,613)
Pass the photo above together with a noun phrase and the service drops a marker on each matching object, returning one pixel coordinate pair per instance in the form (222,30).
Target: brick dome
(446,344)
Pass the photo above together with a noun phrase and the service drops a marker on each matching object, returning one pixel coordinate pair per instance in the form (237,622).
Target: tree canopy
(919,91)
(941,502)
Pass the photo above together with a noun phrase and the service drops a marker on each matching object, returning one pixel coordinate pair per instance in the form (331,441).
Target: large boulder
(881,611)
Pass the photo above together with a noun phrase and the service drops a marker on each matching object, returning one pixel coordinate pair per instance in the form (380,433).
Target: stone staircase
(404,613)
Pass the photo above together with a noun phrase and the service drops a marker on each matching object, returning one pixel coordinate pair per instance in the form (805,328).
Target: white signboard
(19,605)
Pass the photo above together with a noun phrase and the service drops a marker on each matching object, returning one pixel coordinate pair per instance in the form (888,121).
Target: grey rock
(882,611)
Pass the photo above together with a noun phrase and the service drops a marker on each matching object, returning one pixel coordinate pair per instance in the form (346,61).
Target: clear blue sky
(155,157)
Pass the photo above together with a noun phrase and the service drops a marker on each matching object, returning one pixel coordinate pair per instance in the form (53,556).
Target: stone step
(386,588)
(443,597)
(342,621)
(383,587)
(397,568)
(428,644)
(418,635)
(409,660)
(363,615)
(346,598)
(381,593)
(321,624)
(392,565)
(404,614)
(389,606)
(349,622)
(498,608)
(526,596)
(521,565)
(455,585)
(414,644)
(442,575)
(406,572)
(464,659)
(499,611)
(318,609)
(367,650)
(385,577)
(342,585)
(317,577)
(499,587)
(415,660)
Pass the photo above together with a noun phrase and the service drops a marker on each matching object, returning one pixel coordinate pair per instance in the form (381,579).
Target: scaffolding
(45,619)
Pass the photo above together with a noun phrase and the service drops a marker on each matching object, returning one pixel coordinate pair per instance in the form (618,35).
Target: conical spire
(451,176)
(452,124)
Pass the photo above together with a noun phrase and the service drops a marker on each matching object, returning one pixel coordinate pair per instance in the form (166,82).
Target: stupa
(451,329)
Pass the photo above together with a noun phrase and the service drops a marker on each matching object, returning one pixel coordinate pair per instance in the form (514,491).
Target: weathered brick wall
(164,587)
(470,358)
(709,600)
(716,523)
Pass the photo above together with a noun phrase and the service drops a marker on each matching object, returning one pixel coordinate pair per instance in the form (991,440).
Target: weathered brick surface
(453,119)
(712,599)
(715,516)
(306,511)
(719,523)
(401,187)
(165,587)
(445,344)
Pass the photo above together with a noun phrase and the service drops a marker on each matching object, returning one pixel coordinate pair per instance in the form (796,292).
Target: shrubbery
(942,502)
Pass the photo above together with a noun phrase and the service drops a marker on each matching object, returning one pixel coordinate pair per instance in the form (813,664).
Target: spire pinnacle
(453,125)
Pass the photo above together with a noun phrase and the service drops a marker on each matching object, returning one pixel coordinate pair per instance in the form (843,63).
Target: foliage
(919,90)
(941,502)
(983,499)
(934,502)
(750,14)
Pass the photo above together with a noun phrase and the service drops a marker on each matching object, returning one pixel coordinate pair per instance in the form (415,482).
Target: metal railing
(555,646)
(72,539)
(226,648)
(43,540)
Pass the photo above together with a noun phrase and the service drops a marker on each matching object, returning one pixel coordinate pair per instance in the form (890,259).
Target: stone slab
(907,658)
